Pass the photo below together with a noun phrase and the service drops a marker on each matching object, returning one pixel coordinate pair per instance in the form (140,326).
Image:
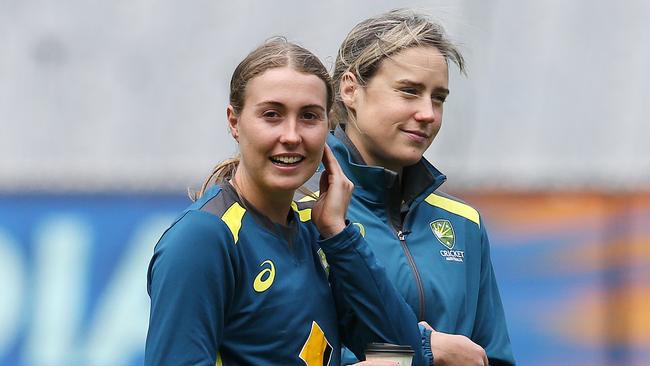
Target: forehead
(287,86)
(422,64)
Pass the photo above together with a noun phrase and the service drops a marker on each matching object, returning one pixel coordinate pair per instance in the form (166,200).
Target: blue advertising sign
(572,274)
(73,276)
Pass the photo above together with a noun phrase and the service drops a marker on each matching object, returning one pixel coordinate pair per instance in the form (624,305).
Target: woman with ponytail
(241,277)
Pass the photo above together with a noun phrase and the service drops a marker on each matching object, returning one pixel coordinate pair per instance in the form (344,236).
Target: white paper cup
(403,355)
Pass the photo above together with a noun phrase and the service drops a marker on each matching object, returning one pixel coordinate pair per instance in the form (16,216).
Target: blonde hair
(275,52)
(377,38)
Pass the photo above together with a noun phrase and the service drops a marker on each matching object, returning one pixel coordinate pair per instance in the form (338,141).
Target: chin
(408,159)
(286,185)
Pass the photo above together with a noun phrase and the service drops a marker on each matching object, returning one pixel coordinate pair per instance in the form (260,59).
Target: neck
(274,205)
(357,139)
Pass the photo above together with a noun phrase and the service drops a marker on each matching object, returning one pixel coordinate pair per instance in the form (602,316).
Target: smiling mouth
(417,133)
(287,160)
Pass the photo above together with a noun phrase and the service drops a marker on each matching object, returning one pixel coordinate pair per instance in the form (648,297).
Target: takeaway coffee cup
(390,352)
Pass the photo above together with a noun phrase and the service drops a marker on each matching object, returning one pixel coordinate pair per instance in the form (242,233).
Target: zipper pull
(400,235)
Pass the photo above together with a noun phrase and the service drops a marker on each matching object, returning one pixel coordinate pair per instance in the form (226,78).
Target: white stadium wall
(131,95)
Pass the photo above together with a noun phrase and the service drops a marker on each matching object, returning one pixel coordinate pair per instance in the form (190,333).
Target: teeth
(287,159)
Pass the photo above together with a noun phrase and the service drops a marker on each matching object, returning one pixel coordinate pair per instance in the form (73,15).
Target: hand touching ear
(330,209)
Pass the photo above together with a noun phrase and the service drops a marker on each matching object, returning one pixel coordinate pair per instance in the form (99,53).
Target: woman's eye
(438,99)
(270,114)
(311,116)
(409,91)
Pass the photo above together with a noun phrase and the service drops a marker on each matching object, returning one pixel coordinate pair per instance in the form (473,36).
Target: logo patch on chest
(444,232)
(265,278)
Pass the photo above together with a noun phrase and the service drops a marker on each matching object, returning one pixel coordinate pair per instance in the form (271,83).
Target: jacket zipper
(416,273)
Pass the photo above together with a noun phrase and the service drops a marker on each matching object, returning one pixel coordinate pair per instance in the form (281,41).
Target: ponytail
(222,172)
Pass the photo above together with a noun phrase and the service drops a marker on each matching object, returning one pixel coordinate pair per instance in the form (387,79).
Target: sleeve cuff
(340,241)
(426,345)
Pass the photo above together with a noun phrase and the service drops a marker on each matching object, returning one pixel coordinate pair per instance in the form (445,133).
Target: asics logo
(265,278)
(362,229)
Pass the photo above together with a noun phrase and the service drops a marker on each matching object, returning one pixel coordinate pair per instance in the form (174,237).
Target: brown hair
(275,52)
(377,38)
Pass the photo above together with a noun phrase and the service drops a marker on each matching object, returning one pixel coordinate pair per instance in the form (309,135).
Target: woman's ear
(349,90)
(233,122)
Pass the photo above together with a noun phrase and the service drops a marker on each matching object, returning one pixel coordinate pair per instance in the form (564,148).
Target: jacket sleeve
(490,330)
(369,307)
(190,282)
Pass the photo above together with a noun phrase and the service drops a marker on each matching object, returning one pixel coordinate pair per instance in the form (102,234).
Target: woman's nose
(290,134)
(426,111)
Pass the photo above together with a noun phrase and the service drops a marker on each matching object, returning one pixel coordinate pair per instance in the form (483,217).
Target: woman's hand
(453,349)
(330,209)
(377,363)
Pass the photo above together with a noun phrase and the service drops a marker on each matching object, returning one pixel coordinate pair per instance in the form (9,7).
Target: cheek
(255,146)
(249,153)
(315,137)
(437,124)
(438,119)
(397,111)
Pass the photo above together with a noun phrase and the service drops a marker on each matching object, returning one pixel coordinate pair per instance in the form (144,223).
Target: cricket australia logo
(444,232)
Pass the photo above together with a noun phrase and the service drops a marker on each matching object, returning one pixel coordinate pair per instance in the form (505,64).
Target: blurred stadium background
(110,110)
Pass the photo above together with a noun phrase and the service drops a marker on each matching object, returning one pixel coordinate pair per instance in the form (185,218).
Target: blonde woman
(391,82)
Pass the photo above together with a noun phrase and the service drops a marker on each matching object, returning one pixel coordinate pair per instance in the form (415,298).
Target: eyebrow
(278,104)
(407,82)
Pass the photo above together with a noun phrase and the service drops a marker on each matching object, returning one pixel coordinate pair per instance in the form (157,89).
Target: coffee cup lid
(388,348)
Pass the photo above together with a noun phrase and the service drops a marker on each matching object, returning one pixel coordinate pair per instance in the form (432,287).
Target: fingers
(324,183)
(331,208)
(333,173)
(327,157)
(329,161)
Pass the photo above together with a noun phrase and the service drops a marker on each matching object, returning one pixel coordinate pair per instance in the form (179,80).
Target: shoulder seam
(227,210)
(455,207)
(233,218)
(211,216)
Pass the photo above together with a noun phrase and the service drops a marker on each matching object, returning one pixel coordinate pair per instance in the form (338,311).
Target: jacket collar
(377,183)
(286,232)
